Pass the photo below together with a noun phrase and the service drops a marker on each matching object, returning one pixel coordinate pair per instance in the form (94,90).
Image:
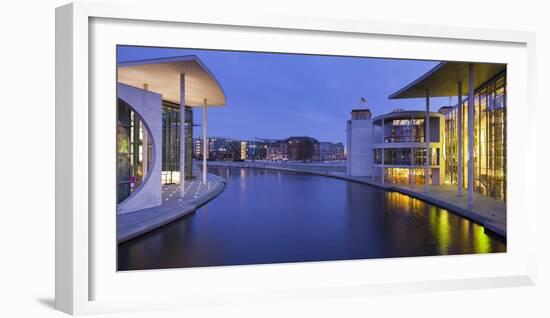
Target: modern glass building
(399,145)
(489,139)
(152,143)
(475,128)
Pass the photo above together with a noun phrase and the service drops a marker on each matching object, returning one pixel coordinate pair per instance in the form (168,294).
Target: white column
(412,151)
(182,134)
(145,144)
(460,155)
(471,106)
(383,149)
(204,143)
(427,140)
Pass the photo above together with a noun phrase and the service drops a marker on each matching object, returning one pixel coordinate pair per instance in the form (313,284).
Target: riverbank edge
(189,207)
(487,223)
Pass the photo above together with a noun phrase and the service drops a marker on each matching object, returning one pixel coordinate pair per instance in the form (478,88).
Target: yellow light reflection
(482,244)
(444,231)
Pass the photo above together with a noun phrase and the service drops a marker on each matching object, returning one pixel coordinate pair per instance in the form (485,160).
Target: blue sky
(281,95)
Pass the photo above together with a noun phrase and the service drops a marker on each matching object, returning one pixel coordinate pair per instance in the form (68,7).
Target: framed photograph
(199,158)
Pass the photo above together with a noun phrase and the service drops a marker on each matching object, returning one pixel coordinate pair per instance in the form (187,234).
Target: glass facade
(397,156)
(420,157)
(406,175)
(404,130)
(255,150)
(171,143)
(402,156)
(489,140)
(134,151)
(404,161)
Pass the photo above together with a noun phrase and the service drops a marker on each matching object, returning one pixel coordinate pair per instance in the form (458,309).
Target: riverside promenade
(488,212)
(174,206)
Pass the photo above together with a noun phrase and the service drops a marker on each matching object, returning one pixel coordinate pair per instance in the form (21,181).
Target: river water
(267,216)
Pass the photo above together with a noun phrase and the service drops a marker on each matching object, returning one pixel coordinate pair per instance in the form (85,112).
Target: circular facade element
(134,151)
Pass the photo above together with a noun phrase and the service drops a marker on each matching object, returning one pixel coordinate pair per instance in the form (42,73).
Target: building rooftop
(442,79)
(361,113)
(163,76)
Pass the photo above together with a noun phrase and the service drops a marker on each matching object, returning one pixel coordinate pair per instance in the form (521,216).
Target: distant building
(298,148)
(326,150)
(339,152)
(197,148)
(277,150)
(218,148)
(255,150)
(329,151)
(303,149)
(221,148)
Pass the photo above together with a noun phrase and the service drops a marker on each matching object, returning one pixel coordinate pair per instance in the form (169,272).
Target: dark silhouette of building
(303,149)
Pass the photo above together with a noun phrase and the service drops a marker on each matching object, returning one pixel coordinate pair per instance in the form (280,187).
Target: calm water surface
(267,216)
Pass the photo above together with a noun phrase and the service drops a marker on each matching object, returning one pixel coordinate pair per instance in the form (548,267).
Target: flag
(363,102)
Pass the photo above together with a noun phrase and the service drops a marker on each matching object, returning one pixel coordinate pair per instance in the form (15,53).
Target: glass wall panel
(418,176)
(404,130)
(133,142)
(377,156)
(397,156)
(171,143)
(420,156)
(415,176)
(489,140)
(397,175)
(451,147)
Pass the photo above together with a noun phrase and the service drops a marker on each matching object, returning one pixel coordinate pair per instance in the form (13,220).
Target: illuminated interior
(489,140)
(134,151)
(405,130)
(171,143)
(415,176)
(243,150)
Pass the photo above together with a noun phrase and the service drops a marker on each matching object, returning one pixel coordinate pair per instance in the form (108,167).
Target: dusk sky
(282,95)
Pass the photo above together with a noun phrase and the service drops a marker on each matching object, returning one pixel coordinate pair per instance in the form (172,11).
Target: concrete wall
(360,158)
(149,107)
(306,167)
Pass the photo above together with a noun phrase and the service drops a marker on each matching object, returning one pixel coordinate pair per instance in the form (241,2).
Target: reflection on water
(267,216)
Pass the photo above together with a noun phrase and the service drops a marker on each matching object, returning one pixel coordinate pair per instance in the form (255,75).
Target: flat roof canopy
(162,76)
(442,79)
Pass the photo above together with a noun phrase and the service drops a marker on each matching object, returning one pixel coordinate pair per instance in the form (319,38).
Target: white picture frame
(83,281)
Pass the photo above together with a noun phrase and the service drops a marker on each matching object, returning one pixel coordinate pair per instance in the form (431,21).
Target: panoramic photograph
(246,158)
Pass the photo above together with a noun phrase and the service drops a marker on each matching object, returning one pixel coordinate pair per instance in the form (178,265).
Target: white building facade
(391,148)
(359,159)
